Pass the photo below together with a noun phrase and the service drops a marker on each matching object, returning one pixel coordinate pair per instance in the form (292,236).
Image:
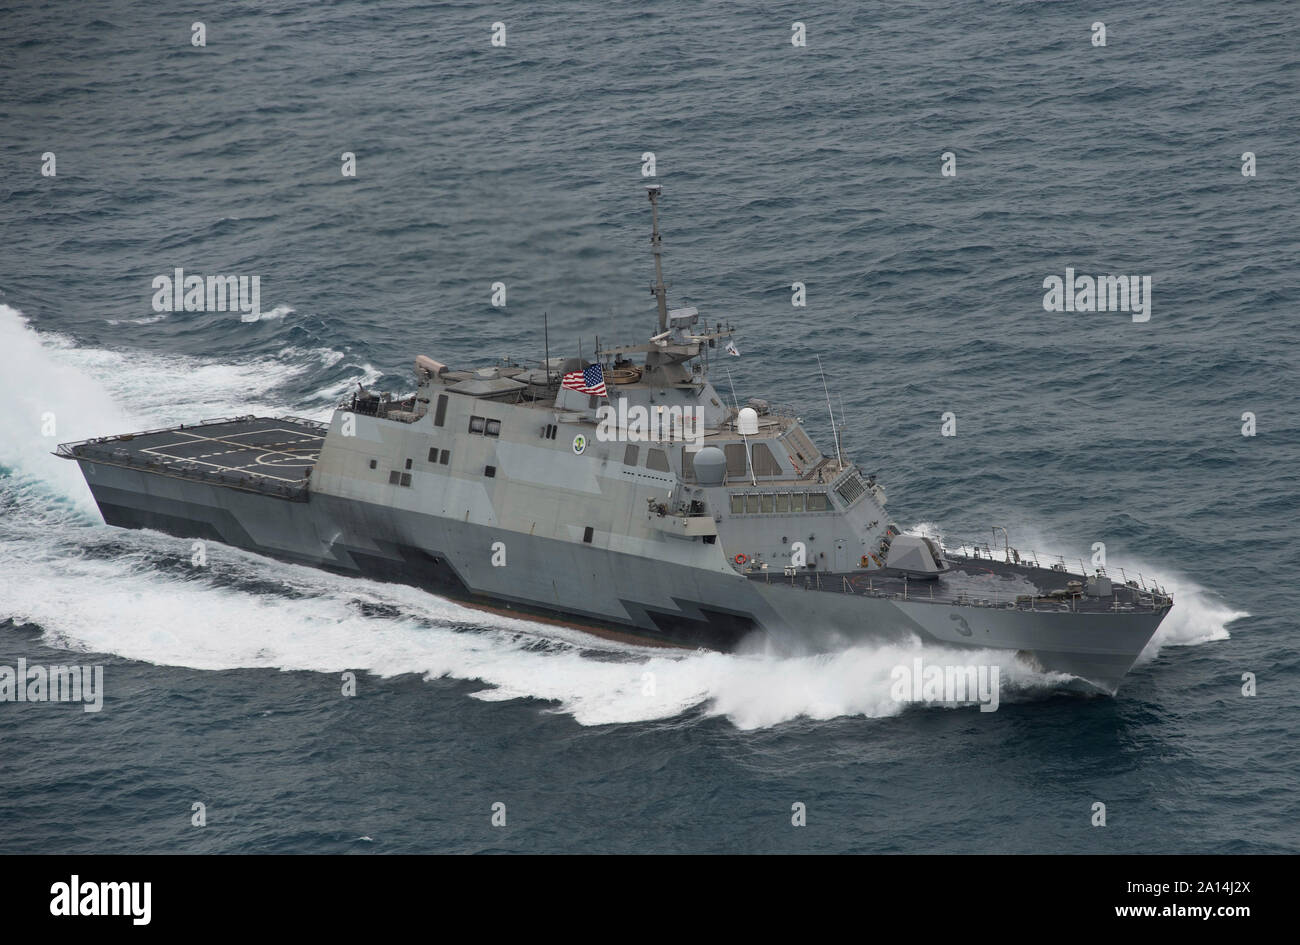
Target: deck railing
(865,584)
(974,551)
(104,453)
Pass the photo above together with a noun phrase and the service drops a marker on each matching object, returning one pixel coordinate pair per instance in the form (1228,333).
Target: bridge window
(817,502)
(657,459)
(440,414)
(783,502)
(751,503)
(630,454)
(737,504)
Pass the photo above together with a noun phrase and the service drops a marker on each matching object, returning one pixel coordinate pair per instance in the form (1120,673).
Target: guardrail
(923,591)
(247,482)
(982,550)
(101,450)
(64,449)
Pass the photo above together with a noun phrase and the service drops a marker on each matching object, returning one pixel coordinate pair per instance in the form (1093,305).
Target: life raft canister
(741,558)
(865,561)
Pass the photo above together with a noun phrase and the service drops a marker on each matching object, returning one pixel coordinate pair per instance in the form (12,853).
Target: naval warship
(621,494)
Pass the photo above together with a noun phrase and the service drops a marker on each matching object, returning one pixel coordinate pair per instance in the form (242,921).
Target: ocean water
(522,164)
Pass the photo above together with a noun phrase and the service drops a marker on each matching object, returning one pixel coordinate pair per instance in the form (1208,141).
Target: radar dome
(747,421)
(710,466)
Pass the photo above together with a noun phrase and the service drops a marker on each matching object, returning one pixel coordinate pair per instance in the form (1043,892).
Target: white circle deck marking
(279,459)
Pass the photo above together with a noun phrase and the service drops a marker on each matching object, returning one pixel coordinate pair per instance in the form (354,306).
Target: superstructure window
(440,413)
(433,454)
(394,477)
(444,458)
(688,464)
(490,471)
(406,479)
(493,428)
(736,465)
(765,463)
(476,424)
(374,463)
(630,454)
(408,464)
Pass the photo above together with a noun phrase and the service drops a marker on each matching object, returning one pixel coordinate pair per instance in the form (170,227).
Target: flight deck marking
(195,439)
(263,455)
(282,462)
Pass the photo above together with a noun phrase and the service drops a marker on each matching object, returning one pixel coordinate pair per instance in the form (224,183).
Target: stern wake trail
(89,392)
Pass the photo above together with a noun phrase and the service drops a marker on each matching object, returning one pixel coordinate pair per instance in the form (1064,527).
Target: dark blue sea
(522,164)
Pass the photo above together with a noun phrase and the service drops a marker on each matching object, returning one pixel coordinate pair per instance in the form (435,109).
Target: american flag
(590,380)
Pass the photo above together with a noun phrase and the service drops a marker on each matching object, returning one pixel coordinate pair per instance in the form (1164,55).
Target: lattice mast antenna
(656,246)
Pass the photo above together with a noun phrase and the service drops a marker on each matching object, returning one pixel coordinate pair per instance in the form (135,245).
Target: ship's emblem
(579,444)
(962,626)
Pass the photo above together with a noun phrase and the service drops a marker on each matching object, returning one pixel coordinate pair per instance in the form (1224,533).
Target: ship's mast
(659,290)
(669,350)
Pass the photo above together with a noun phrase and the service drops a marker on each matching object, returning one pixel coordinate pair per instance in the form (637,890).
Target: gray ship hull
(622,595)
